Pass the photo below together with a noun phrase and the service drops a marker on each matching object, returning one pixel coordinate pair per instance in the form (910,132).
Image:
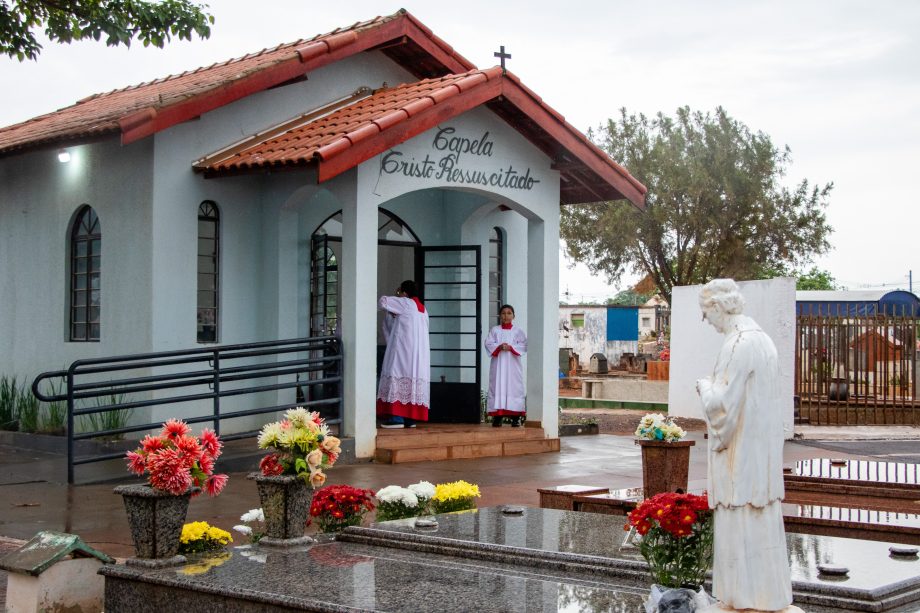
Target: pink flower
(206,464)
(136,463)
(152,443)
(215,484)
(211,443)
(174,428)
(189,446)
(168,471)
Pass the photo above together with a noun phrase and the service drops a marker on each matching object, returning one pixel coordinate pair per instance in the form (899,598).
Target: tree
(814,279)
(121,21)
(715,206)
(629,297)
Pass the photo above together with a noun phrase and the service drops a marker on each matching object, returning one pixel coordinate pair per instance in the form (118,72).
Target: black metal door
(449,284)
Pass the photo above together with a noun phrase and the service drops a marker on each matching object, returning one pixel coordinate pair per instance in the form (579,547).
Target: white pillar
(359,320)
(542,323)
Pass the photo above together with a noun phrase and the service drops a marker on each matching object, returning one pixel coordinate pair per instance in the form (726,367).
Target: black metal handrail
(316,366)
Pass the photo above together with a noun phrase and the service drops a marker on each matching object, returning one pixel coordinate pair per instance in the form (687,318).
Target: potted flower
(201,537)
(675,538)
(178,466)
(335,507)
(301,448)
(395,502)
(253,525)
(665,457)
(455,496)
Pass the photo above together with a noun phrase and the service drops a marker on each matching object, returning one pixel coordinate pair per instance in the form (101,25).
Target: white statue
(741,406)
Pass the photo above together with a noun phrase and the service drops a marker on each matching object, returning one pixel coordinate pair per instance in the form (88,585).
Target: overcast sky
(836,81)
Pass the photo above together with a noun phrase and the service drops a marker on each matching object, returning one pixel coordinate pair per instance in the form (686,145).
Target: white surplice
(506,373)
(406,371)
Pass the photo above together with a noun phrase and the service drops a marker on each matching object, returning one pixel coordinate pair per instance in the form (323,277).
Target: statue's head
(677,601)
(720,299)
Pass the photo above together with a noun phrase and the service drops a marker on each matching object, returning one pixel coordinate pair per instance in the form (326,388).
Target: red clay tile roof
(144,109)
(354,133)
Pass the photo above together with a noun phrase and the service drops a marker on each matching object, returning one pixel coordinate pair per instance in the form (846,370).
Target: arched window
(85,266)
(208,271)
(496,279)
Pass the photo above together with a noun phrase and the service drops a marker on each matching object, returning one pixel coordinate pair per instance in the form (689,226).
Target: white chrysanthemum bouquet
(657,427)
(395,502)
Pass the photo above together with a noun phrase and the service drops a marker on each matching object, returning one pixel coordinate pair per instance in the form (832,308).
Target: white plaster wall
(245,203)
(38,199)
(590,339)
(695,344)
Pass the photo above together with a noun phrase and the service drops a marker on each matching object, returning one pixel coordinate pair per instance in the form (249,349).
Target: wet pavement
(32,498)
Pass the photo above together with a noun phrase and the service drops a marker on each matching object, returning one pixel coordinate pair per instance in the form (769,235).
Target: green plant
(8,392)
(53,419)
(454,496)
(483,406)
(27,409)
(107,420)
(676,538)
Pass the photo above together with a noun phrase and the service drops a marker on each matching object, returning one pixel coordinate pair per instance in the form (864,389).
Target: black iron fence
(857,369)
(114,396)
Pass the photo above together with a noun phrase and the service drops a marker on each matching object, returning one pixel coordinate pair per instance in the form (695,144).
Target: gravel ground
(621,421)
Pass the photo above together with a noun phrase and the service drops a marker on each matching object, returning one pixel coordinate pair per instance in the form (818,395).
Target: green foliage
(106,420)
(9,391)
(814,279)
(715,205)
(678,562)
(451,505)
(27,410)
(53,419)
(629,297)
(119,21)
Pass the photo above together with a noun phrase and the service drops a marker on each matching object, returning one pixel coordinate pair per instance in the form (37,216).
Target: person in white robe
(403,396)
(506,343)
(741,406)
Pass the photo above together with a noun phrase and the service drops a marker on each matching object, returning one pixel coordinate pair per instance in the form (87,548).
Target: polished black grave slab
(485,560)
(598,545)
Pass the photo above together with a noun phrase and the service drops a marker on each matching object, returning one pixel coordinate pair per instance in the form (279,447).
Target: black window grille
(208,271)
(85,267)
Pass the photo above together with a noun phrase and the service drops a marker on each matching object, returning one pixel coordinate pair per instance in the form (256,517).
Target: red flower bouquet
(175,461)
(665,355)
(336,507)
(676,538)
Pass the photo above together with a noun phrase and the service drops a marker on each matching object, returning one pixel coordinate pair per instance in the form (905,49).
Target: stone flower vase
(665,466)
(156,519)
(286,503)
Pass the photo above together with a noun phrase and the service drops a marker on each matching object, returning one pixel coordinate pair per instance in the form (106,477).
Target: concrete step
(434,442)
(423,437)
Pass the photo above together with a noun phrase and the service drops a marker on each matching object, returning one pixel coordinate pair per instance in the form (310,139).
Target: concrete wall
(695,344)
(39,197)
(626,389)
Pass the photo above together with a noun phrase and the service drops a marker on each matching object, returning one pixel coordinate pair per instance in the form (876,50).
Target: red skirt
(418,412)
(505,413)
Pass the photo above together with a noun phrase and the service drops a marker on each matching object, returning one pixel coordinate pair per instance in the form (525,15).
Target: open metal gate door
(449,285)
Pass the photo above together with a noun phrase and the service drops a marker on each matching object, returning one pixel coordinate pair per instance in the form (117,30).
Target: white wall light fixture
(63,156)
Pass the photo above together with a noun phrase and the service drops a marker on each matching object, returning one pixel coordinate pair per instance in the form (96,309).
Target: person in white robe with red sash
(403,396)
(506,344)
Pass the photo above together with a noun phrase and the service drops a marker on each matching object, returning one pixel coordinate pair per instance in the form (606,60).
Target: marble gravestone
(745,474)
(486,560)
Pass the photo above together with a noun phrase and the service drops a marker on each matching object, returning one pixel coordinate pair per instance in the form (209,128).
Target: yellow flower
(457,489)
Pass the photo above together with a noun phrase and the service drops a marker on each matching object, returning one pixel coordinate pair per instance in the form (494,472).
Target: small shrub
(108,420)
(27,409)
(53,420)
(8,393)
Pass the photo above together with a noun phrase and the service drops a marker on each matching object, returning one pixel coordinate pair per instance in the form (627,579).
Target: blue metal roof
(854,304)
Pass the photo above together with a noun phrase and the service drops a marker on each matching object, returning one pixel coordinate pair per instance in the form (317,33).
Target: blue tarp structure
(622,323)
(856,304)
